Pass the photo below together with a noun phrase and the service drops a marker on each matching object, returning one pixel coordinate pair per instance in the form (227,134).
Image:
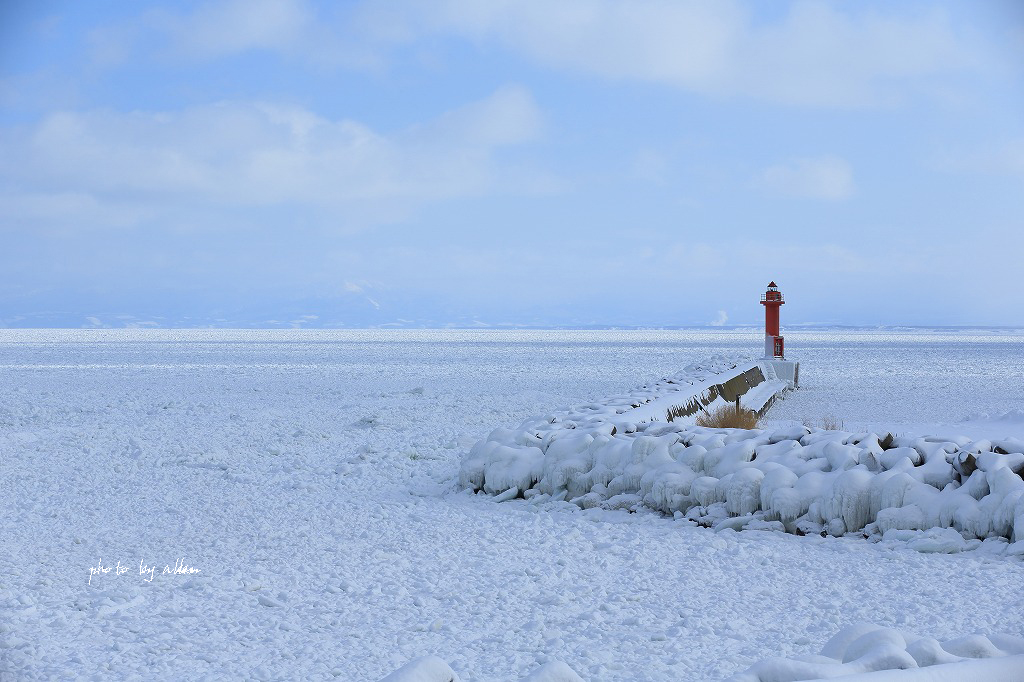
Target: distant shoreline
(745,328)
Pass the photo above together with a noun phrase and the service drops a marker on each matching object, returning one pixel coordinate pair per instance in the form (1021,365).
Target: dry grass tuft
(728,417)
(831,423)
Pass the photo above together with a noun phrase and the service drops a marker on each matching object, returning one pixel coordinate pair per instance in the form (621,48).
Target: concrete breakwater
(937,494)
(751,387)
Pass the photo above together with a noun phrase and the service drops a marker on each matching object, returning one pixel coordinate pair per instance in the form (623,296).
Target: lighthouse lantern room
(772,300)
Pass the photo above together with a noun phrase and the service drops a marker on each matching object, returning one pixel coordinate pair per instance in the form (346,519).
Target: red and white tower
(772,300)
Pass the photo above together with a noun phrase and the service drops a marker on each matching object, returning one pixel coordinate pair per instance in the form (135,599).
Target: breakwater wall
(936,493)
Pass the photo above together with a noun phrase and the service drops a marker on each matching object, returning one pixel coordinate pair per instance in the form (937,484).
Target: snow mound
(556,671)
(1010,416)
(854,651)
(425,669)
(860,649)
(937,494)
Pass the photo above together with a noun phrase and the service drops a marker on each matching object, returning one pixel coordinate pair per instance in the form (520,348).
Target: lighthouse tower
(772,300)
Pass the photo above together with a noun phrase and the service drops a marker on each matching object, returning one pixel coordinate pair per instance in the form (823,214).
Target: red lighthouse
(773,343)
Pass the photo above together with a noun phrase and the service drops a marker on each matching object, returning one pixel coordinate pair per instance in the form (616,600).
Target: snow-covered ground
(310,478)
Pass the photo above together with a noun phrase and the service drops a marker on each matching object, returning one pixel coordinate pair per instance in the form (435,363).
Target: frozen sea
(309,477)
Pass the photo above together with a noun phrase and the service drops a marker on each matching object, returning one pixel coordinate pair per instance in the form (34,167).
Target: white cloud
(118,167)
(67,207)
(509,116)
(721,319)
(1003,158)
(815,54)
(818,258)
(224,28)
(674,266)
(232,26)
(826,177)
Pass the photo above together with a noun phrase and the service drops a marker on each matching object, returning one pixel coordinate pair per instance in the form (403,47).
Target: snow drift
(433,669)
(853,652)
(860,649)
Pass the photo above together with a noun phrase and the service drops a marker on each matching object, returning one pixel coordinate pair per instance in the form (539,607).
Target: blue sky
(652,163)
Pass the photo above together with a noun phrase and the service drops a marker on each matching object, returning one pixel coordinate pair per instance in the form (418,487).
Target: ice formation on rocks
(621,454)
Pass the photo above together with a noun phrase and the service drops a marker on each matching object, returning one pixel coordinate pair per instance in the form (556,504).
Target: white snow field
(311,479)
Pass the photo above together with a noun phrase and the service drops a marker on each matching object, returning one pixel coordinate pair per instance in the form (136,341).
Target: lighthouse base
(786,370)
(774,347)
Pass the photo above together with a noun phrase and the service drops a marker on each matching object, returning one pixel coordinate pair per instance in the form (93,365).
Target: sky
(282,163)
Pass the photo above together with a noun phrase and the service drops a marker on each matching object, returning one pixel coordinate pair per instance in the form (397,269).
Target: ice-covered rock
(512,467)
(705,490)
(890,458)
(900,518)
(849,499)
(743,492)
